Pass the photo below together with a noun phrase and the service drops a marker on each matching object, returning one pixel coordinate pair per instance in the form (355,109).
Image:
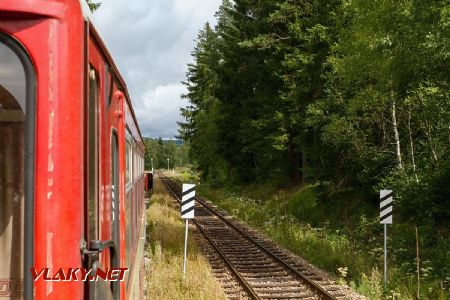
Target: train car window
(128,231)
(115,190)
(137,166)
(92,176)
(128,152)
(108,85)
(133,201)
(131,162)
(128,201)
(134,163)
(16,115)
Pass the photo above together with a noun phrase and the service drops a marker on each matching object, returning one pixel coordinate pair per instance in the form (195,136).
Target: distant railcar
(71,158)
(148,181)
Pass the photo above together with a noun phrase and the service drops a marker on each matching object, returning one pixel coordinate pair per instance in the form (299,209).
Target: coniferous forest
(352,94)
(344,95)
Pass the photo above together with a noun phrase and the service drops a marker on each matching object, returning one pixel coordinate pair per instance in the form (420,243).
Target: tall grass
(164,256)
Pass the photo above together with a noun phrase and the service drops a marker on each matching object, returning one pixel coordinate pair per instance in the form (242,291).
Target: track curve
(262,270)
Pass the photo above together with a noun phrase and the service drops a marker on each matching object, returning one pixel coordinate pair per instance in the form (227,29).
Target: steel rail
(322,293)
(247,287)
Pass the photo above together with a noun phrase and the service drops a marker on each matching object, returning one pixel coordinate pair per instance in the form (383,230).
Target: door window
(92,163)
(13,113)
(115,189)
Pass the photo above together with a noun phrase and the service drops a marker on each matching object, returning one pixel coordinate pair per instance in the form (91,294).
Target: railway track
(249,265)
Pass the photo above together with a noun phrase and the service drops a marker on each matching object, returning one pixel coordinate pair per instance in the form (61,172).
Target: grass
(348,245)
(164,256)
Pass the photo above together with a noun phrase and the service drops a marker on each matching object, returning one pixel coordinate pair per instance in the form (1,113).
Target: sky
(151,42)
(12,75)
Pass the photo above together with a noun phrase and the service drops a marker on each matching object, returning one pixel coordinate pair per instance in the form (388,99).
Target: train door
(115,205)
(99,245)
(17,98)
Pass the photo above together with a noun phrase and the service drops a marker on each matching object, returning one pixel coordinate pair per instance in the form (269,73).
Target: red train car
(71,159)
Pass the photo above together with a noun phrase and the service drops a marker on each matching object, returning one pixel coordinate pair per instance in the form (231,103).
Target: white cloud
(151,42)
(159,110)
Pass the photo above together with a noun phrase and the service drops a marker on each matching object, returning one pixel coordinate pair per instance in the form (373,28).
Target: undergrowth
(340,234)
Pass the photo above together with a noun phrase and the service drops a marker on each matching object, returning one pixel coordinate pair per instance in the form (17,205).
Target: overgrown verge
(340,234)
(164,256)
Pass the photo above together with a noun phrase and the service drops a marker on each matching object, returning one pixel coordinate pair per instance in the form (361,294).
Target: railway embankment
(249,265)
(340,235)
(164,255)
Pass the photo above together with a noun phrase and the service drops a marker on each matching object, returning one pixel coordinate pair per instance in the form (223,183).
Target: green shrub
(303,204)
(339,230)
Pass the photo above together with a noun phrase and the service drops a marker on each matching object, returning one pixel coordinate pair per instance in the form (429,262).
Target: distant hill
(178,142)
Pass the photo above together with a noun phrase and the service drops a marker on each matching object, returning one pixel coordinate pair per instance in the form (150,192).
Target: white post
(168,164)
(385,255)
(185,247)
(386,204)
(152,165)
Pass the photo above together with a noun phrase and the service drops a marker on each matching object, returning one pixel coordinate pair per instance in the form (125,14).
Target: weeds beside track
(263,270)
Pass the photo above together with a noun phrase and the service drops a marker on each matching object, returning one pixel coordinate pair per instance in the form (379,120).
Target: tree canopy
(93,5)
(348,93)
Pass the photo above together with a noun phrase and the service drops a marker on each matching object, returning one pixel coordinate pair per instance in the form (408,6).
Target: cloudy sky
(151,42)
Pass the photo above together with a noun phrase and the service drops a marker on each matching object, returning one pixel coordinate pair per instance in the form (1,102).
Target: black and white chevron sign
(188,201)
(386,200)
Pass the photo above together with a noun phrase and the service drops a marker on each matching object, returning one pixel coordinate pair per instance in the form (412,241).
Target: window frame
(29,153)
(128,161)
(93,160)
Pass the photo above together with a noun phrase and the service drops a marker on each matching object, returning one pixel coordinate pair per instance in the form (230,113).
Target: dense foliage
(159,150)
(352,94)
